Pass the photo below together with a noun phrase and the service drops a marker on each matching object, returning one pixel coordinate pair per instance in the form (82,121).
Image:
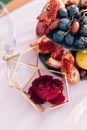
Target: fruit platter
(64,24)
(62,28)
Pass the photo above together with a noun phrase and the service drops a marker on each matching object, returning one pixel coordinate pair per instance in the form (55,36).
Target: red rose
(45,88)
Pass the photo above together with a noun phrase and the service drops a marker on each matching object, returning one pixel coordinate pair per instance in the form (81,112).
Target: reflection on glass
(7,37)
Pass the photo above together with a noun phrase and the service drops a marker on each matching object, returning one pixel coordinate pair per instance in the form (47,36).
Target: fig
(68,67)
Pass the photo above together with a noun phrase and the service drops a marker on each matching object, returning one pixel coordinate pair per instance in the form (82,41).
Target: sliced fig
(40,29)
(55,58)
(54,5)
(54,24)
(45,45)
(57,53)
(68,67)
(44,15)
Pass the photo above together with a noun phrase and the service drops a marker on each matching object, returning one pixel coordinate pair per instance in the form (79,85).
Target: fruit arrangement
(65,23)
(73,63)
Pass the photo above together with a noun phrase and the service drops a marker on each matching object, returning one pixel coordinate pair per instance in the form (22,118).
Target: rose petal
(47,88)
(59,100)
(34,97)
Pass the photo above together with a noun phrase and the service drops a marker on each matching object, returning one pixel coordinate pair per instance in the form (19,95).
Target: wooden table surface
(14,4)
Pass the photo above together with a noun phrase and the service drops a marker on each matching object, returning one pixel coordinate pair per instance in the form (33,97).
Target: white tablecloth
(15,112)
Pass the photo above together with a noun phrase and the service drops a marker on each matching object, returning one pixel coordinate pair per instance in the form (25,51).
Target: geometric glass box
(23,70)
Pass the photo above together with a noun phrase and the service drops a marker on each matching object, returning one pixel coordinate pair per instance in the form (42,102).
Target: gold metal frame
(36,69)
(18,62)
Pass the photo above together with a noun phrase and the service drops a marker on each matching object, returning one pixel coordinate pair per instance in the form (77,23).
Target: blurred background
(14,4)
(6,1)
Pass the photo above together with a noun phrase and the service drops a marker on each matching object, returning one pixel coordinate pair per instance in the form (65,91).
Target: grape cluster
(72,28)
